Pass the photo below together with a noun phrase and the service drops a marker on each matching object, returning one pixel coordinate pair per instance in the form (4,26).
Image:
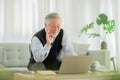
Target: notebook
(75,64)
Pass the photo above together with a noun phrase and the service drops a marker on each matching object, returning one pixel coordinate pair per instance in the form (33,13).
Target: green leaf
(87,27)
(93,35)
(109,26)
(102,19)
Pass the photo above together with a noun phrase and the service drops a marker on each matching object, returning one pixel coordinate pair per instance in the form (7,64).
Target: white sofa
(15,56)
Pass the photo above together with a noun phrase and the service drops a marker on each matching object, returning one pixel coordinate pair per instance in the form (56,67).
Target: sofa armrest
(103,56)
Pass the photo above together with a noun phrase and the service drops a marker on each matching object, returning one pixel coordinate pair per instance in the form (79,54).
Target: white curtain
(20,19)
(117,33)
(1,19)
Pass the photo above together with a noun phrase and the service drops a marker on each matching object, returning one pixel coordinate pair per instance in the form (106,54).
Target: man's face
(53,26)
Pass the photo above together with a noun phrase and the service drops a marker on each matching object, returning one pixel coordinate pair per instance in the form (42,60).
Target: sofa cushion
(23,58)
(10,58)
(17,69)
(15,54)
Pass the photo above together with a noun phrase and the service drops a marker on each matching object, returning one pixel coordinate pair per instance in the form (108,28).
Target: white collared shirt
(41,52)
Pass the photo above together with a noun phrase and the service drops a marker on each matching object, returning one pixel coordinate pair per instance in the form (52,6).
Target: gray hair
(51,16)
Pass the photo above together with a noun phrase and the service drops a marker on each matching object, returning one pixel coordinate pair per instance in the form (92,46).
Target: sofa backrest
(14,54)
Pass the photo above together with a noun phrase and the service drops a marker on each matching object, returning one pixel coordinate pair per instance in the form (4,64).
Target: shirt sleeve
(39,51)
(67,46)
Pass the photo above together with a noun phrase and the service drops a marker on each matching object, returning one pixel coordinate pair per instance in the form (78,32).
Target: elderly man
(46,45)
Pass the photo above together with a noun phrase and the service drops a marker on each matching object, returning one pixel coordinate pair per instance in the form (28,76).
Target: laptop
(81,49)
(75,64)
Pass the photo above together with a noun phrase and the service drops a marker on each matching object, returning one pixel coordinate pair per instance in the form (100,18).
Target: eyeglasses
(54,26)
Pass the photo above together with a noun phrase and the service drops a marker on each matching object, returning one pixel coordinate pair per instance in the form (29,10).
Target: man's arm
(67,45)
(39,51)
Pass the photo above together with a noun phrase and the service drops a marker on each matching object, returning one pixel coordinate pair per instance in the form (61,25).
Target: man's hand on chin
(49,38)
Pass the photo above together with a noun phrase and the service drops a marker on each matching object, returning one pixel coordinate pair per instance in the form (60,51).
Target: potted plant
(107,26)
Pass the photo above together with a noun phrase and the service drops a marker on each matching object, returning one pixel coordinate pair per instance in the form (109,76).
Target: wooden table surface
(36,76)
